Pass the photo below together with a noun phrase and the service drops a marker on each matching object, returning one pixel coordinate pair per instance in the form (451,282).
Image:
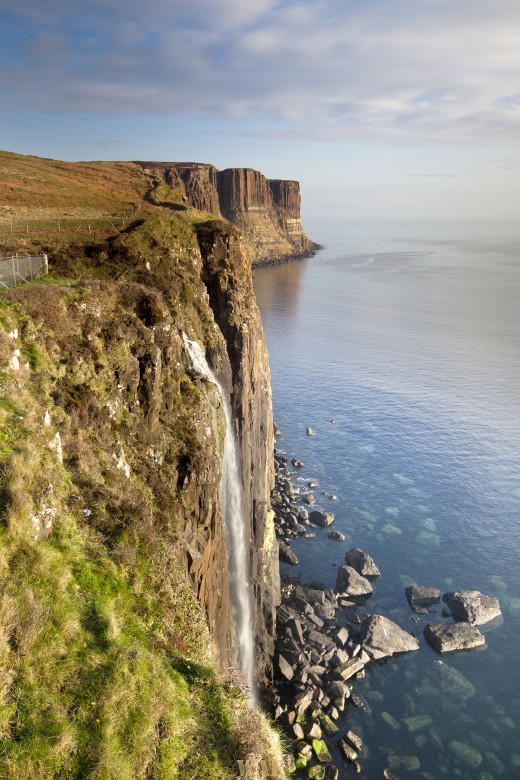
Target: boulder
(381,637)
(361,562)
(422,595)
(309,431)
(348,669)
(286,554)
(297,463)
(285,667)
(348,752)
(472,607)
(323,519)
(457,636)
(309,499)
(336,535)
(351,583)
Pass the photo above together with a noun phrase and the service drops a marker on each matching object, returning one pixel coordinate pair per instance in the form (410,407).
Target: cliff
(112,548)
(266,211)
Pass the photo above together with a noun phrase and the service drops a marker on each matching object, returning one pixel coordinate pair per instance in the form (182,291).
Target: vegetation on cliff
(109,469)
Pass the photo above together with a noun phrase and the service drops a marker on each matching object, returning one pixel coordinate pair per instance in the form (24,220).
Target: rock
(422,595)
(286,554)
(466,754)
(313,731)
(323,519)
(348,752)
(350,583)
(381,637)
(361,562)
(457,636)
(354,740)
(341,636)
(328,725)
(309,431)
(417,722)
(303,700)
(312,483)
(331,772)
(321,751)
(297,463)
(348,669)
(472,606)
(316,773)
(309,499)
(297,731)
(391,721)
(320,640)
(406,763)
(336,535)
(285,667)
(333,498)
(453,682)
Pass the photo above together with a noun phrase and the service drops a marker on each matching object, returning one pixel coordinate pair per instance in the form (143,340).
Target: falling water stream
(231,502)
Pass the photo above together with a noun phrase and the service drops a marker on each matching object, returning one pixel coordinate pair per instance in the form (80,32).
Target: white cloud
(433,69)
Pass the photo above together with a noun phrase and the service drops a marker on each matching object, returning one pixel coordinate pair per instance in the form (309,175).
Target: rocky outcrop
(267,211)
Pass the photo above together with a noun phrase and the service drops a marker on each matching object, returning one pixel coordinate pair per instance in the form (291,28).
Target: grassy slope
(104,664)
(48,203)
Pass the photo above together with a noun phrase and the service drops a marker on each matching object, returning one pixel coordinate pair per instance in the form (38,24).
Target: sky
(387,109)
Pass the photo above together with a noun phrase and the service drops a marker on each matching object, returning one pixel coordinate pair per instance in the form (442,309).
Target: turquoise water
(409,337)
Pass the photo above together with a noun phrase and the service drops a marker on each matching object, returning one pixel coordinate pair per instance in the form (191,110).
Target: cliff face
(267,211)
(123,450)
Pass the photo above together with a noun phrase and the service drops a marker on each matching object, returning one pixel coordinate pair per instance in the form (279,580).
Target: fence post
(14,273)
(45,264)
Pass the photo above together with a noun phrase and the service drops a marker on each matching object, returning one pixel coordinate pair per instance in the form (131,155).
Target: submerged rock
(361,562)
(453,682)
(381,637)
(466,754)
(422,595)
(336,535)
(351,583)
(458,636)
(472,606)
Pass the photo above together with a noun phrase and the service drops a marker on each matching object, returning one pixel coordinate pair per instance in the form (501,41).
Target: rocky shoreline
(295,257)
(326,641)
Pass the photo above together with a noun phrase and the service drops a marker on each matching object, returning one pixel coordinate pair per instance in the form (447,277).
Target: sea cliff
(117,644)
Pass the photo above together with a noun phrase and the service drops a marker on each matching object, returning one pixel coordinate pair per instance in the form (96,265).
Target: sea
(407,336)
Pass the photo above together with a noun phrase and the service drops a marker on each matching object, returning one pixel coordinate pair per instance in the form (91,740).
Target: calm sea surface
(409,337)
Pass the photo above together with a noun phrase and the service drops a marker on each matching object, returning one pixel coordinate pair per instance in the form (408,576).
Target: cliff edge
(117,646)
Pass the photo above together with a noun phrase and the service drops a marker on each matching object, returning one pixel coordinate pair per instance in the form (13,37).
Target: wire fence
(14,269)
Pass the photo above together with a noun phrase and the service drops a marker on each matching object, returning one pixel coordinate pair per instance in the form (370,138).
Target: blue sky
(381,108)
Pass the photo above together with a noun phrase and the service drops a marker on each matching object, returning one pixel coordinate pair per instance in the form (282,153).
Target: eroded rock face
(472,606)
(267,211)
(381,637)
(227,276)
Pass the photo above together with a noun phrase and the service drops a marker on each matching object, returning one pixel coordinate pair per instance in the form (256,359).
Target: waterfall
(231,502)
